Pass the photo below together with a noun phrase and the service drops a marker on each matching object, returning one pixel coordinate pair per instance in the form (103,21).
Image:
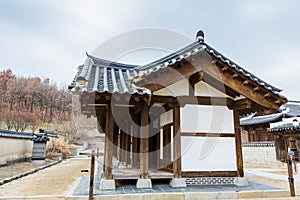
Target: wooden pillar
(167,142)
(144,146)
(109,131)
(127,143)
(135,144)
(289,167)
(115,141)
(120,145)
(123,145)
(238,144)
(176,143)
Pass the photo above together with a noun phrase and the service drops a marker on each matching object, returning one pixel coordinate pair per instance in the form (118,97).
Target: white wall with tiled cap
(14,149)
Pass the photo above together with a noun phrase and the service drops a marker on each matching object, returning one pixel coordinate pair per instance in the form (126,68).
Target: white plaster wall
(206,119)
(208,154)
(203,89)
(14,148)
(180,88)
(166,118)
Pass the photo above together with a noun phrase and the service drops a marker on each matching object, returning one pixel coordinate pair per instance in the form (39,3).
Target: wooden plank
(107,164)
(144,146)
(238,144)
(176,143)
(208,134)
(188,174)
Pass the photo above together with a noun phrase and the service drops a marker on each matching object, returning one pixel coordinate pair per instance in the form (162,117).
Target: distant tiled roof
(286,128)
(261,119)
(40,137)
(14,134)
(105,76)
(293,110)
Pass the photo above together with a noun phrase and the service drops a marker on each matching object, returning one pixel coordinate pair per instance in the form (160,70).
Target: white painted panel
(206,119)
(166,118)
(180,88)
(208,154)
(203,89)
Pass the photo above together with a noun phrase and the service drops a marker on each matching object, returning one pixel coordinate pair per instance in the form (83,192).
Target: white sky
(49,38)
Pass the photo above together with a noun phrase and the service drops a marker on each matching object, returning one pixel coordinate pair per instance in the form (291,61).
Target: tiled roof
(291,110)
(106,76)
(286,128)
(14,134)
(40,137)
(260,119)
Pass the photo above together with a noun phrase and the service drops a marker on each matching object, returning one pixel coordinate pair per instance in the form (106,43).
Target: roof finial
(200,36)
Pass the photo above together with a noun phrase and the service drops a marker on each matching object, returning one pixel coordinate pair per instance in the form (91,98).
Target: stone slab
(178,182)
(144,183)
(107,184)
(238,181)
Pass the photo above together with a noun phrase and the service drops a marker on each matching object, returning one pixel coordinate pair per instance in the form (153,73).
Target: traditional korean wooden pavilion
(175,118)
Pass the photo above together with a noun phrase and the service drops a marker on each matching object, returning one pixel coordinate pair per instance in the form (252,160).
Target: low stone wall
(260,153)
(14,149)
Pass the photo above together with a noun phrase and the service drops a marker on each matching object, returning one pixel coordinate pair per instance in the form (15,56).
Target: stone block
(241,181)
(144,183)
(178,182)
(107,184)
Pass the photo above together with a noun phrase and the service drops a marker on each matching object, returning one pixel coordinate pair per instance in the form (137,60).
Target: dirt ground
(56,180)
(18,168)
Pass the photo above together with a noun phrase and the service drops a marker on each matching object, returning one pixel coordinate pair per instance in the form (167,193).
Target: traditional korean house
(175,118)
(256,125)
(287,138)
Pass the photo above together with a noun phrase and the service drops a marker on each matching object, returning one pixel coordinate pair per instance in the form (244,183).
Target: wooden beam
(246,82)
(242,104)
(217,101)
(246,91)
(144,146)
(235,75)
(256,89)
(107,164)
(238,144)
(209,174)
(176,143)
(208,134)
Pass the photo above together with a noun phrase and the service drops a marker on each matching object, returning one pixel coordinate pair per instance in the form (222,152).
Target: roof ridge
(110,63)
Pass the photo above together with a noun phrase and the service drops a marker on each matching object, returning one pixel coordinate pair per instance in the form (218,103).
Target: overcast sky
(49,38)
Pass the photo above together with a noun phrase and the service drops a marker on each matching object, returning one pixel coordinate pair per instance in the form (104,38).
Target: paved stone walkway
(83,187)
